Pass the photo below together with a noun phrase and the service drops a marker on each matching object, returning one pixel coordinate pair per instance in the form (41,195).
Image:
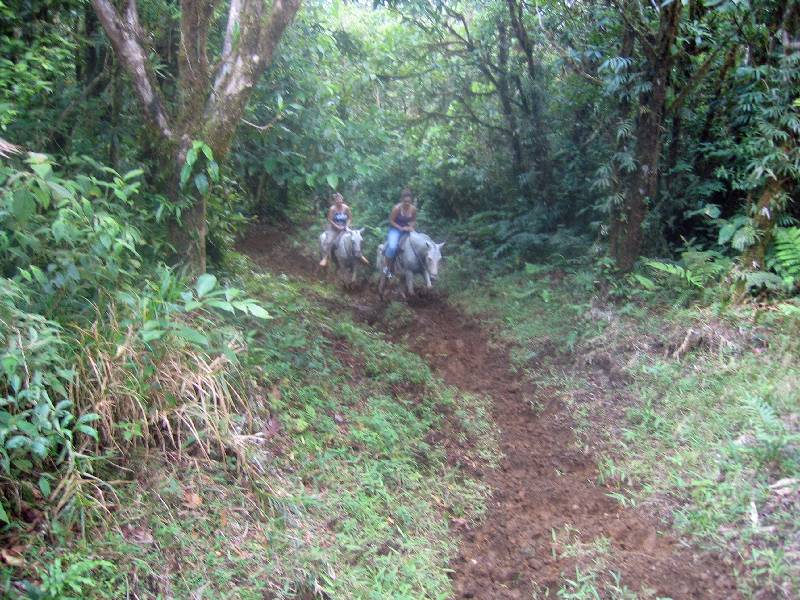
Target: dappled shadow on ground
(547,515)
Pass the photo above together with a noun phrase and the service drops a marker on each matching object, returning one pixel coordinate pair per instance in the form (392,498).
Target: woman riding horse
(339,219)
(402,221)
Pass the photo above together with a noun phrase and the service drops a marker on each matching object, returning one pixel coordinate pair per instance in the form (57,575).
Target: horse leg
(382,287)
(410,282)
(428,283)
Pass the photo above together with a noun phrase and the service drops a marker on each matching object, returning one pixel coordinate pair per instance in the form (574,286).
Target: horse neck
(420,248)
(345,244)
(417,252)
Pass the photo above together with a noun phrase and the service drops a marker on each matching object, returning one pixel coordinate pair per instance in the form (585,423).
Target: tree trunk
(504,93)
(627,235)
(209,106)
(532,104)
(764,222)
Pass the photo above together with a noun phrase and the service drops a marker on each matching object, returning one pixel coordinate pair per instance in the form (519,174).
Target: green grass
(697,439)
(337,487)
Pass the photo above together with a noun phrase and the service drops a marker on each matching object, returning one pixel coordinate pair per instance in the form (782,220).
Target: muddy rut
(546,511)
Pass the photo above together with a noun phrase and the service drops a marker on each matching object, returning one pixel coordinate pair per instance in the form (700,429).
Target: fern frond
(762,416)
(785,256)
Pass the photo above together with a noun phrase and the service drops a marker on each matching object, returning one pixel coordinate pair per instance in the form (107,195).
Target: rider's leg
(392,243)
(327,246)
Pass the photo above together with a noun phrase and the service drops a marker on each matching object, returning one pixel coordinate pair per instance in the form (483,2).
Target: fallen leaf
(275,393)
(11,558)
(137,535)
(273,426)
(191,499)
(459,522)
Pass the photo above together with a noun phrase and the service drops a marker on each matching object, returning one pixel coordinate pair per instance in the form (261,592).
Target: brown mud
(547,511)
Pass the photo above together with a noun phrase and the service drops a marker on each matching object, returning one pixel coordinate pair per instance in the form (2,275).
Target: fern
(678,272)
(763,417)
(773,438)
(785,256)
(762,279)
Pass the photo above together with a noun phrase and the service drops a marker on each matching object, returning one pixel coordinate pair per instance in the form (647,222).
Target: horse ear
(442,244)
(428,244)
(360,230)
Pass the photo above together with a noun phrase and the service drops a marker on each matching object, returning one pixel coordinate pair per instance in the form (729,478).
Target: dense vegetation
(648,150)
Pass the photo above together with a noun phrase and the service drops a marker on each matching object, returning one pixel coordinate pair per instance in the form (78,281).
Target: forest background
(651,147)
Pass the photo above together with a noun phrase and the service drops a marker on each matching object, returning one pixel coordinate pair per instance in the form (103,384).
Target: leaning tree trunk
(626,233)
(211,101)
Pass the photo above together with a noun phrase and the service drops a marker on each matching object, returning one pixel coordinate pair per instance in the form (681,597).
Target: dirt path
(544,487)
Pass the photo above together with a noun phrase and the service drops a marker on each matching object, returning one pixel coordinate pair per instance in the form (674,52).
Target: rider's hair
(406,193)
(337,196)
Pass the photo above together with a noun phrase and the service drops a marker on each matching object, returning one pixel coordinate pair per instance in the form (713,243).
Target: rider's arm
(349,216)
(412,225)
(393,216)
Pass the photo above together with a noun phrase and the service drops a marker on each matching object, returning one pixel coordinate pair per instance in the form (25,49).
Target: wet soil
(546,509)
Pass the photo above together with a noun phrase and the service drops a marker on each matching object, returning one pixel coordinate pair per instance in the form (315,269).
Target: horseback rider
(402,221)
(339,219)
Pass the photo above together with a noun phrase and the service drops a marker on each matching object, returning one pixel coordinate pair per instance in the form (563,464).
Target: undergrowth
(317,479)
(218,437)
(692,413)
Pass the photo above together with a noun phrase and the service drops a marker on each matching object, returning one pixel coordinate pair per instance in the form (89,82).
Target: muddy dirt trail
(544,484)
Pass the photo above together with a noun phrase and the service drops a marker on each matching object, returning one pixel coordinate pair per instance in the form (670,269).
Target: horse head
(432,259)
(356,240)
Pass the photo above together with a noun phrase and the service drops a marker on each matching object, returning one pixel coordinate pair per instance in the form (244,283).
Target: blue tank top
(340,218)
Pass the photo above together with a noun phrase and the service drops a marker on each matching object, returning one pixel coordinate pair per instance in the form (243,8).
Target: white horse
(347,254)
(418,254)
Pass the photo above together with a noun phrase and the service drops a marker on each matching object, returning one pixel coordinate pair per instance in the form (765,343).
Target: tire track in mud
(544,484)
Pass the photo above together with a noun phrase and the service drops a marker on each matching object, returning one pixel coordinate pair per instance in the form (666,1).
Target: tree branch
(251,38)
(124,37)
(696,78)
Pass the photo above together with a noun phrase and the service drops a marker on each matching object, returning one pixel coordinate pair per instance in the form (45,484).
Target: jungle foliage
(656,141)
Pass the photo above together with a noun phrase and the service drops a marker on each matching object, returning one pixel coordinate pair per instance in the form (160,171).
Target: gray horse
(418,255)
(347,252)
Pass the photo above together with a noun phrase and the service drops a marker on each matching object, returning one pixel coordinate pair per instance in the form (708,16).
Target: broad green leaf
(59,191)
(258,311)
(213,170)
(333,180)
(23,206)
(18,441)
(44,486)
(222,305)
(186,171)
(191,156)
(205,283)
(4,514)
(88,418)
(90,431)
(192,335)
(43,170)
(153,334)
(726,233)
(38,448)
(201,183)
